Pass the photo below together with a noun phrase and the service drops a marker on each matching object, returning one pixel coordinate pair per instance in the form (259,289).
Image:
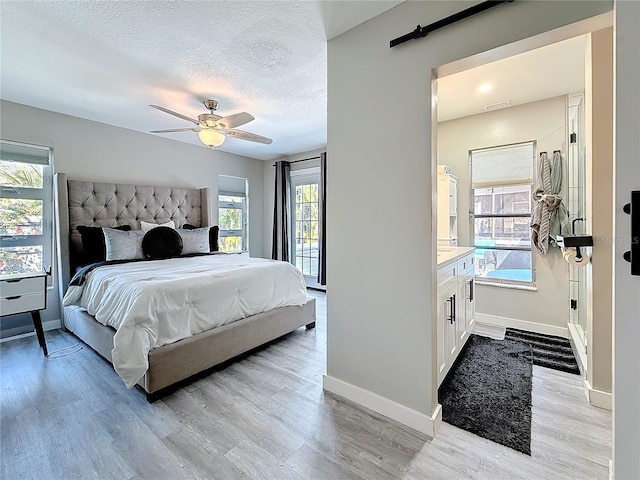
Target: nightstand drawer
(23,286)
(10,305)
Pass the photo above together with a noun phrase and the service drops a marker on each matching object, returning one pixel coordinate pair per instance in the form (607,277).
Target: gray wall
(90,150)
(381,335)
(544,122)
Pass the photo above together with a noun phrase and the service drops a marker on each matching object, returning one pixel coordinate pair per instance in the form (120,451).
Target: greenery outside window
(501,180)
(26,208)
(231,222)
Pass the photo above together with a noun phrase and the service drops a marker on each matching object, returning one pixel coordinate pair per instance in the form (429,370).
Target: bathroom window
(501,180)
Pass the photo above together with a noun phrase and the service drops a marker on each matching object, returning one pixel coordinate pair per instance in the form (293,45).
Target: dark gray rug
(548,350)
(488,391)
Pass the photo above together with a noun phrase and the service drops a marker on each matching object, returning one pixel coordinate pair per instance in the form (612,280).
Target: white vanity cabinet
(447,349)
(456,305)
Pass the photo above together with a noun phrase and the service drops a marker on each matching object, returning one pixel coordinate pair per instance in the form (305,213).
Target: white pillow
(121,245)
(195,240)
(146,226)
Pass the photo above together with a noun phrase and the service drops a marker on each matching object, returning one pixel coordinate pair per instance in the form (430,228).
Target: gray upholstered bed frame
(108,205)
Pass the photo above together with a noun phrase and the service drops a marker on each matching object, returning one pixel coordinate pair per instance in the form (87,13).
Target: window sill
(528,288)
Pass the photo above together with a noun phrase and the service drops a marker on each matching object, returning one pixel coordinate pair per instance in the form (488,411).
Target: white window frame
(234,205)
(472,220)
(45,194)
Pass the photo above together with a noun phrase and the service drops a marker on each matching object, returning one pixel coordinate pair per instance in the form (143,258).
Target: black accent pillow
(213,236)
(93,244)
(161,242)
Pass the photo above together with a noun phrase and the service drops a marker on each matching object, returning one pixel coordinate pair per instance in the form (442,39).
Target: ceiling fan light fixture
(210,137)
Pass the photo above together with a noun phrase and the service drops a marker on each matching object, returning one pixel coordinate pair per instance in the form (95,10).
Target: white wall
(88,150)
(545,122)
(381,257)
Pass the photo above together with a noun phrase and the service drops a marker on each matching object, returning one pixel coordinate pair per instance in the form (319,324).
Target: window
(26,209)
(232,214)
(304,189)
(501,180)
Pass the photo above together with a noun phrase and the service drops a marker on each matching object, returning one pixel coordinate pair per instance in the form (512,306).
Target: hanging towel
(559,216)
(549,213)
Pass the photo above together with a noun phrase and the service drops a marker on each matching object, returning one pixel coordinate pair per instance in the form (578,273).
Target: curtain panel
(280,249)
(322,201)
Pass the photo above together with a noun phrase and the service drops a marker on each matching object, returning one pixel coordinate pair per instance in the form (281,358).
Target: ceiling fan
(212,128)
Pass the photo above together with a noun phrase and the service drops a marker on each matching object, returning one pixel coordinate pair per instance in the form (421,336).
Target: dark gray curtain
(281,212)
(322,214)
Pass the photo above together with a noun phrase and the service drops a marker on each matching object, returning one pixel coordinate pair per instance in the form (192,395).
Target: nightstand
(25,292)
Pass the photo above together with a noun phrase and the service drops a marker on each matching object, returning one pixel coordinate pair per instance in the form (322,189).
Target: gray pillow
(195,240)
(123,245)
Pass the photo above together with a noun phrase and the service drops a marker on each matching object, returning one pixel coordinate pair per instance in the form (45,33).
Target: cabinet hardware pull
(470,297)
(14,297)
(451,316)
(14,281)
(453,308)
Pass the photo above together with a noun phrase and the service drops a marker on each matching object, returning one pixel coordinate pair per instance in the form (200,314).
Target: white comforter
(159,302)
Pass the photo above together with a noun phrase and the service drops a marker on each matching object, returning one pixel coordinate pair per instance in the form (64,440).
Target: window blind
(235,186)
(12,152)
(508,165)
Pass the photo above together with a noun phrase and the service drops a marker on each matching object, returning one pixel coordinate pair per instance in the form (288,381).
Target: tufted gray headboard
(109,204)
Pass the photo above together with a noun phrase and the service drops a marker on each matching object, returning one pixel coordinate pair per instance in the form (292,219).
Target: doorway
(548,299)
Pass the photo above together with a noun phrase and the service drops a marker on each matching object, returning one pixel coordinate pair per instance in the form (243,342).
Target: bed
(92,204)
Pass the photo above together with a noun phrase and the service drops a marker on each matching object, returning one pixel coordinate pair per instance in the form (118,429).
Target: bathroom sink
(571,241)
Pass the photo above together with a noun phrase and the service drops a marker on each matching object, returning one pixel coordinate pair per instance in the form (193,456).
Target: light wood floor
(263,417)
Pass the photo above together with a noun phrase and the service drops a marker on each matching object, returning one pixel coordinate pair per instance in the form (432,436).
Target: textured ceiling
(108,61)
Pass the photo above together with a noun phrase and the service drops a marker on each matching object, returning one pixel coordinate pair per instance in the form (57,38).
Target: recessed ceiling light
(485,88)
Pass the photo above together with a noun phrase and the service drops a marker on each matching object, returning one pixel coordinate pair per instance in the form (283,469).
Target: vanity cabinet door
(447,349)
(470,302)
(466,307)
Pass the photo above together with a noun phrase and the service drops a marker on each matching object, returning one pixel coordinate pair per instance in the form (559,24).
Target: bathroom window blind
(506,165)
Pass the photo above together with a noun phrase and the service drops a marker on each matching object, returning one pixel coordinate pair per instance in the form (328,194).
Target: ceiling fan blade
(235,120)
(252,137)
(175,114)
(171,130)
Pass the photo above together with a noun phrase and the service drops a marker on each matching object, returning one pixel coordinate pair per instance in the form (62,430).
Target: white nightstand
(25,292)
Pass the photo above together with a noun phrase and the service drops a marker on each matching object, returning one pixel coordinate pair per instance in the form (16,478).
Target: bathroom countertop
(449,254)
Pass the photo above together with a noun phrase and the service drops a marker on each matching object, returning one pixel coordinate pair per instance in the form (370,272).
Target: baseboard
(522,325)
(598,398)
(578,349)
(405,415)
(489,330)
(13,333)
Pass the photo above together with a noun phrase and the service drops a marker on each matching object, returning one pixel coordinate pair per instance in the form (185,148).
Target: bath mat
(548,350)
(488,391)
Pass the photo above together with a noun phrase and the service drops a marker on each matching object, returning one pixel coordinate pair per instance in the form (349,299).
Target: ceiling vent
(495,106)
